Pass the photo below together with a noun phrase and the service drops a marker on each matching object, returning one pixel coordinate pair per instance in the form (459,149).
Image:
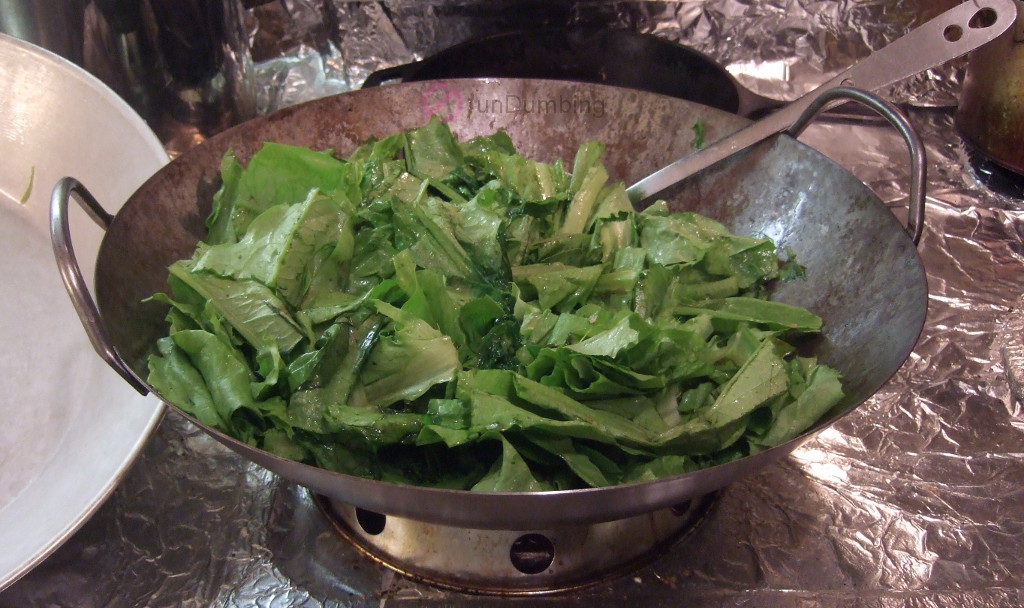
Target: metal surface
(781,189)
(55,26)
(70,429)
(516,563)
(948,36)
(915,205)
(71,273)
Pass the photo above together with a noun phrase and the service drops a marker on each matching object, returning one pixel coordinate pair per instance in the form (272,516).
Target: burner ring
(514,562)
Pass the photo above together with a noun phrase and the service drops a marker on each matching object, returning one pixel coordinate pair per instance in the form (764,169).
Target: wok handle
(895,117)
(387,74)
(71,273)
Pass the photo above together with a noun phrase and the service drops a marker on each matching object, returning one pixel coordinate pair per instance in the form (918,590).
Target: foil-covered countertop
(914,499)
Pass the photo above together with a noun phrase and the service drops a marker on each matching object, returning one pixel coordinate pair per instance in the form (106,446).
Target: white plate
(69,425)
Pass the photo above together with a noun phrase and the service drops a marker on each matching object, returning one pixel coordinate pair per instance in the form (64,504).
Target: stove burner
(994,176)
(508,562)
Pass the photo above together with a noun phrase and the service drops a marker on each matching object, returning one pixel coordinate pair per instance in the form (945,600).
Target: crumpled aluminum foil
(916,498)
(284,52)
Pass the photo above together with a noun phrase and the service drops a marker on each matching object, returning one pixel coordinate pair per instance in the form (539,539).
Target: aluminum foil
(281,52)
(915,499)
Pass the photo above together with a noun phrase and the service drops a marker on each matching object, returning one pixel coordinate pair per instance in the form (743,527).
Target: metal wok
(864,277)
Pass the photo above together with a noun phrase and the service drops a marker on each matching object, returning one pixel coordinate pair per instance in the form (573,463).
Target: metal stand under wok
(515,562)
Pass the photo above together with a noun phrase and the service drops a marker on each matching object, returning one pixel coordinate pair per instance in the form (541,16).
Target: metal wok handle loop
(71,273)
(895,117)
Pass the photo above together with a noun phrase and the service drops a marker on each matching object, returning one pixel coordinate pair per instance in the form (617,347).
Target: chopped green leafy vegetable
(698,134)
(451,314)
(28,189)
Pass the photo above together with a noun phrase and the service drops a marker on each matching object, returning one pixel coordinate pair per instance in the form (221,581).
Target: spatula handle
(952,34)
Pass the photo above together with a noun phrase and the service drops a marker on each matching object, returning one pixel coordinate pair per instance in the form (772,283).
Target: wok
(864,277)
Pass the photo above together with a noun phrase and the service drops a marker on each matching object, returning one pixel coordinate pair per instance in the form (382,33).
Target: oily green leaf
(431,150)
(409,358)
(224,372)
(510,473)
(278,174)
(580,463)
(823,390)
(251,308)
(219,222)
(762,377)
(772,315)
(178,381)
(282,247)
(669,465)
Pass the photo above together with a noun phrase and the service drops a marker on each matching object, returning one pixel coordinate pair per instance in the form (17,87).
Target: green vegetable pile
(451,314)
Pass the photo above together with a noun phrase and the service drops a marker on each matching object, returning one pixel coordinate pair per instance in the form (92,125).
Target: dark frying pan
(864,276)
(617,57)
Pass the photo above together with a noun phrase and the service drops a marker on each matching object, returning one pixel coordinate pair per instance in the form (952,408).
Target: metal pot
(865,278)
(990,116)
